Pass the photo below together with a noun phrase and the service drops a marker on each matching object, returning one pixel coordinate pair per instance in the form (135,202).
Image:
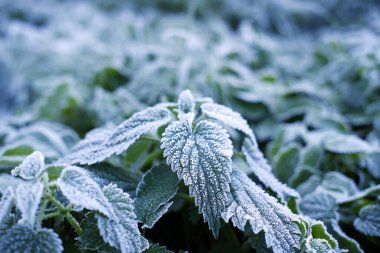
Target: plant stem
(74,223)
(150,138)
(51,215)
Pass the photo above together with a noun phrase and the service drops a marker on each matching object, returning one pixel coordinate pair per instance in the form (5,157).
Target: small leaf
(28,198)
(346,144)
(154,192)
(23,239)
(262,170)
(81,190)
(368,221)
(249,203)
(6,204)
(318,246)
(31,168)
(122,234)
(156,248)
(228,117)
(319,206)
(186,102)
(202,158)
(101,144)
(338,185)
(286,161)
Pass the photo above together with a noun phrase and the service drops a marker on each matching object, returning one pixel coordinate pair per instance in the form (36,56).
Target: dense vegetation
(200,126)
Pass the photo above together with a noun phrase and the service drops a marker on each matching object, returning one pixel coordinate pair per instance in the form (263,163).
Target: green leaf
(6,204)
(23,239)
(286,161)
(318,246)
(262,170)
(368,221)
(186,103)
(31,168)
(153,194)
(123,233)
(345,242)
(249,203)
(28,197)
(202,158)
(346,144)
(80,189)
(101,144)
(156,248)
(319,206)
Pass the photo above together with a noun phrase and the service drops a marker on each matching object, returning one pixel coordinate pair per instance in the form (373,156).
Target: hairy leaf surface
(82,190)
(32,166)
(262,170)
(319,206)
(368,221)
(153,195)
(249,203)
(202,158)
(6,204)
(23,239)
(123,233)
(28,198)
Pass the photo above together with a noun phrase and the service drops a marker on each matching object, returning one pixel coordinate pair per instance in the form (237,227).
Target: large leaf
(31,168)
(368,221)
(6,204)
(23,239)
(248,203)
(153,195)
(228,117)
(201,156)
(102,144)
(80,189)
(262,170)
(122,234)
(28,198)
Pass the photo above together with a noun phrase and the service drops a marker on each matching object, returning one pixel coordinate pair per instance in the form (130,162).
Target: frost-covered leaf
(156,248)
(24,239)
(319,206)
(202,158)
(123,233)
(249,203)
(153,194)
(373,190)
(31,168)
(339,185)
(262,170)
(28,197)
(368,221)
(286,161)
(6,203)
(186,103)
(102,144)
(81,190)
(373,164)
(345,242)
(318,246)
(7,180)
(228,117)
(346,144)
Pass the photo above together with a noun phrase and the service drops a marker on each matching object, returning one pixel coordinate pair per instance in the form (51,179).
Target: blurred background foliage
(305,74)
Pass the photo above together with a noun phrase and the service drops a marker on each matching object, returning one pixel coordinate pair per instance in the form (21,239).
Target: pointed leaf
(186,102)
(80,189)
(6,204)
(228,117)
(202,158)
(31,168)
(23,239)
(122,234)
(249,203)
(28,198)
(262,170)
(154,192)
(368,221)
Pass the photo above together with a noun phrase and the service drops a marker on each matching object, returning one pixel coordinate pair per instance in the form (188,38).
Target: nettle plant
(209,147)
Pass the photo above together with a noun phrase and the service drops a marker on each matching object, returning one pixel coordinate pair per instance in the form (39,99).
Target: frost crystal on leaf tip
(31,168)
(249,203)
(202,158)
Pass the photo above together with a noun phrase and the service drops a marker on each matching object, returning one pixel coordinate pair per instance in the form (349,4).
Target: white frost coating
(202,158)
(102,144)
(186,102)
(123,234)
(28,198)
(368,221)
(228,117)
(249,203)
(31,168)
(81,190)
(318,246)
(262,170)
(6,204)
(24,239)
